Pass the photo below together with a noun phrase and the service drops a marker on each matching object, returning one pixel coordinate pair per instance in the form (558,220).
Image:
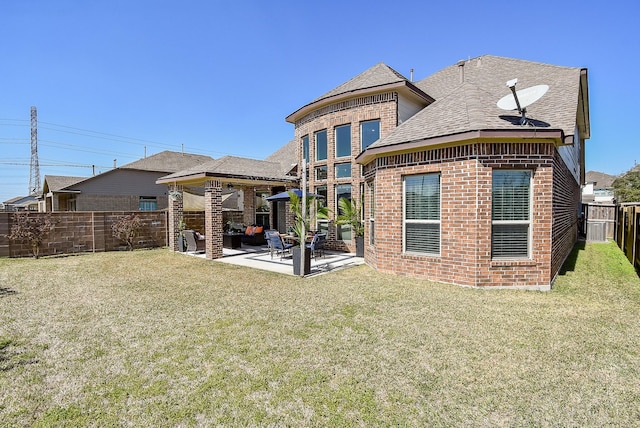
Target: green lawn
(154,338)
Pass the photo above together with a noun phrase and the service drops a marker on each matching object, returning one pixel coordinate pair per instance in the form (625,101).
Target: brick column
(249,209)
(213,218)
(175,215)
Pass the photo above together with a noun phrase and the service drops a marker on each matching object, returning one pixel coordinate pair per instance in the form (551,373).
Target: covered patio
(213,179)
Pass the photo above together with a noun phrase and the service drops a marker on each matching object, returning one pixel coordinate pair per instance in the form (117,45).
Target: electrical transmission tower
(34,181)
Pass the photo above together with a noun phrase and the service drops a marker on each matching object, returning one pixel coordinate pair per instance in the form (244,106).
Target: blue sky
(113,78)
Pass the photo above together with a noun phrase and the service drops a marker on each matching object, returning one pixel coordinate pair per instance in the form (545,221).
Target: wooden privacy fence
(600,222)
(76,232)
(628,233)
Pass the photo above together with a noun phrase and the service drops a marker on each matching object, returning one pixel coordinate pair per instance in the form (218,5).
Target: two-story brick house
(454,189)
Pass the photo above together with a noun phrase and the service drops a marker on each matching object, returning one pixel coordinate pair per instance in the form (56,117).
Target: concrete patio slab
(259,258)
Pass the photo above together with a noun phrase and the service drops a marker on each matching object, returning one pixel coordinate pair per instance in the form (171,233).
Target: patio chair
(267,237)
(317,244)
(194,245)
(278,245)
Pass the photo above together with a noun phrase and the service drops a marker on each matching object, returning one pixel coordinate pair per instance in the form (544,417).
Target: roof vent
(411,75)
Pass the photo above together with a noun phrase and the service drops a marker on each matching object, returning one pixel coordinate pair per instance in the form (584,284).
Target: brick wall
(85,231)
(566,198)
(466,187)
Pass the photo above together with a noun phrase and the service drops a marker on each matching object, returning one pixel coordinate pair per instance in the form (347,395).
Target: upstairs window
(321,145)
(343,170)
(369,133)
(511,214)
(422,214)
(343,141)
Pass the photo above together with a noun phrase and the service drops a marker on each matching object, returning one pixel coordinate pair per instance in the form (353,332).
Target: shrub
(126,228)
(33,229)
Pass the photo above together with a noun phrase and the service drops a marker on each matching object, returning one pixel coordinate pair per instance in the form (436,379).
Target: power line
(56,164)
(121,139)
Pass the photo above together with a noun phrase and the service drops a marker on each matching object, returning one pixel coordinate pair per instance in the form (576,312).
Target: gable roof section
(231,167)
(465,102)
(167,161)
(378,75)
(378,78)
(600,180)
(286,156)
(57,183)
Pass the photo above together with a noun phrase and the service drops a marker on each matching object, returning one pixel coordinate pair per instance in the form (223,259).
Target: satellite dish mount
(522,99)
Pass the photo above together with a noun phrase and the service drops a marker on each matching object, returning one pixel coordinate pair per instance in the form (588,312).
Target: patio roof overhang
(556,136)
(198,179)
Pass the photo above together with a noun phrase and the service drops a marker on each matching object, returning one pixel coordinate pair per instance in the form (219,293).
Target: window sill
(421,256)
(513,262)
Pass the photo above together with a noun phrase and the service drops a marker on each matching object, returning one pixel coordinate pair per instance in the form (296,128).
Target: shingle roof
(470,105)
(232,166)
(56,183)
(378,75)
(286,156)
(600,180)
(167,161)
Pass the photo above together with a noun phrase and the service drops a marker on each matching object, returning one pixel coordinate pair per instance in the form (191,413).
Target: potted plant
(301,226)
(351,215)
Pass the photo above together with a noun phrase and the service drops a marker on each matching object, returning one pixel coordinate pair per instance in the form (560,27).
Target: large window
(321,145)
(369,133)
(422,214)
(322,225)
(343,170)
(305,147)
(343,141)
(343,231)
(511,214)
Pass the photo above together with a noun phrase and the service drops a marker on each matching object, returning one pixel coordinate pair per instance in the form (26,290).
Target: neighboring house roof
(231,167)
(13,200)
(167,161)
(378,78)
(466,96)
(286,156)
(21,201)
(56,183)
(600,180)
(163,162)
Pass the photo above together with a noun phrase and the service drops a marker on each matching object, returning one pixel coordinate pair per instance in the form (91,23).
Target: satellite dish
(520,100)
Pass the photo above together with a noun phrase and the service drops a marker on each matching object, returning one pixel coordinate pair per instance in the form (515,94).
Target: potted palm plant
(314,210)
(351,215)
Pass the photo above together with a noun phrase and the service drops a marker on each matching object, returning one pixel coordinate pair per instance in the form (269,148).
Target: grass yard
(154,338)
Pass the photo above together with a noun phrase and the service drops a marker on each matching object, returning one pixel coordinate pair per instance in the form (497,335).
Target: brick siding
(466,189)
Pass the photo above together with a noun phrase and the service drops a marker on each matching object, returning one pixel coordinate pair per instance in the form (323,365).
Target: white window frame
(414,221)
(335,139)
(528,222)
(361,134)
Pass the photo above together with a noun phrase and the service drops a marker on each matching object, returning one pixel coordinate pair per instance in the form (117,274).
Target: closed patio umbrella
(284,196)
